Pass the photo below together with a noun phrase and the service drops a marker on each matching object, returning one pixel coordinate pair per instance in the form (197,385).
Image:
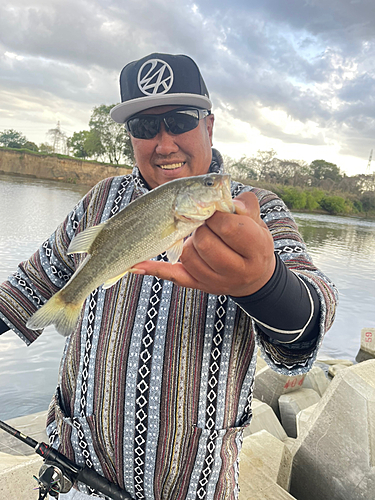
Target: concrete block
(363,356)
(367,350)
(268,489)
(290,443)
(16,476)
(303,418)
(31,425)
(368,340)
(269,386)
(19,462)
(334,361)
(262,452)
(261,363)
(264,418)
(291,404)
(336,454)
(316,379)
(335,369)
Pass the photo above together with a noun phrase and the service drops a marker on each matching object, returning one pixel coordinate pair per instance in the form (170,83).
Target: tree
(12,139)
(111,138)
(45,148)
(334,204)
(323,170)
(368,201)
(93,144)
(77,143)
(240,169)
(31,146)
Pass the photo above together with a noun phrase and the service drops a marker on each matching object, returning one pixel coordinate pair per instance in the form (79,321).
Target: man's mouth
(172,166)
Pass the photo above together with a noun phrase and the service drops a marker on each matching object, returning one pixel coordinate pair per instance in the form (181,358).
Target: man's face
(167,156)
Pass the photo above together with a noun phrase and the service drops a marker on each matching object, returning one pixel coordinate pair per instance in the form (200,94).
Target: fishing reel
(52,481)
(58,473)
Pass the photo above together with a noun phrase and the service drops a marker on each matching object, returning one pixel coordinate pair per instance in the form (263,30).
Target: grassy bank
(315,200)
(62,157)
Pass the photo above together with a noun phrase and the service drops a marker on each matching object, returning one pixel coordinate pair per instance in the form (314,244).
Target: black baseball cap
(159,80)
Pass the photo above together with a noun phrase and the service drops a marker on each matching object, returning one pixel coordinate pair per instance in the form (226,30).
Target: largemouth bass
(150,225)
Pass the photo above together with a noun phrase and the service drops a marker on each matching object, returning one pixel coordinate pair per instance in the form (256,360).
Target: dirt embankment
(55,167)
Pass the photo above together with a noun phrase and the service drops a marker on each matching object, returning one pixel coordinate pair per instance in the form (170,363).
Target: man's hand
(231,254)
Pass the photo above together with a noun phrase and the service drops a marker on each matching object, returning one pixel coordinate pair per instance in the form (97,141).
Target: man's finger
(251,204)
(166,271)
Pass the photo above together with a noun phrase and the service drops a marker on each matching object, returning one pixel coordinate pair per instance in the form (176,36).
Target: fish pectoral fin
(174,252)
(83,241)
(168,230)
(112,281)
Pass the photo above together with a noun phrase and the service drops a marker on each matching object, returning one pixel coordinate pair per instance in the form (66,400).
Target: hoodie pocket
(81,430)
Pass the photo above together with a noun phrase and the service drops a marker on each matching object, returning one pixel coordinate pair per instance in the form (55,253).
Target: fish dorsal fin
(112,281)
(174,252)
(83,241)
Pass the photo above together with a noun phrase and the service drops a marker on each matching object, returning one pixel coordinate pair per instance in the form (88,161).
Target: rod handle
(100,483)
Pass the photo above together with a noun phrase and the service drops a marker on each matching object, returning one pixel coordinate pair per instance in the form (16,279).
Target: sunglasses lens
(183,121)
(144,128)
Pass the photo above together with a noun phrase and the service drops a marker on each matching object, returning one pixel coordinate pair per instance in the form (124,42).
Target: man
(156,381)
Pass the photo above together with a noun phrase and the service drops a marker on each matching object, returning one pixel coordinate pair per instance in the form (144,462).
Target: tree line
(318,185)
(315,186)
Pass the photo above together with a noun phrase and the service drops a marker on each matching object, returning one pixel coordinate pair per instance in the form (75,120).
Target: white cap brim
(125,110)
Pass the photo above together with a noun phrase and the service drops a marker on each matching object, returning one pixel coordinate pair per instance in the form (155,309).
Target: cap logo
(155,77)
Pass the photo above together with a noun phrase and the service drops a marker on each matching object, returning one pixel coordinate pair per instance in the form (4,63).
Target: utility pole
(59,139)
(368,172)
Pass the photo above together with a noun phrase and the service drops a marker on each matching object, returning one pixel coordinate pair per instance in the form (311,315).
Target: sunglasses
(177,121)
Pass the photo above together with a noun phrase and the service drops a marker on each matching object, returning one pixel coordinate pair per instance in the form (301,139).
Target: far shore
(71,170)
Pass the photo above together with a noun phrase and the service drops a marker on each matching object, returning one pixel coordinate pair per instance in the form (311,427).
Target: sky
(296,76)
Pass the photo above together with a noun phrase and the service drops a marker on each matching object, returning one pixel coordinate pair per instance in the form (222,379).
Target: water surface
(344,248)
(30,210)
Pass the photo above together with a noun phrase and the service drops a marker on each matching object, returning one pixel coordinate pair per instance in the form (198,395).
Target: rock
(367,350)
(303,417)
(264,460)
(316,379)
(336,455)
(291,404)
(264,418)
(270,385)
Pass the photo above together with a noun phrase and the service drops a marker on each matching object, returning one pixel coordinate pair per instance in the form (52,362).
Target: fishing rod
(58,473)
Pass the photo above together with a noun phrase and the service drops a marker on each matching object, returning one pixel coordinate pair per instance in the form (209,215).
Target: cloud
(311,63)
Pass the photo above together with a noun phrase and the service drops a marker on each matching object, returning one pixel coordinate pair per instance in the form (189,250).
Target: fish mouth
(171,166)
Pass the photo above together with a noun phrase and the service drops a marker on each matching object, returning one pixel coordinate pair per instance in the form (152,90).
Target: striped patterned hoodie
(155,384)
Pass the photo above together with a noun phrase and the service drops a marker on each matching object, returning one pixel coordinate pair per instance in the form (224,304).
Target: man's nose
(165,142)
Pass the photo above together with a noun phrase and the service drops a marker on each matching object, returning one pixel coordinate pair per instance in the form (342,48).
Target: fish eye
(209,182)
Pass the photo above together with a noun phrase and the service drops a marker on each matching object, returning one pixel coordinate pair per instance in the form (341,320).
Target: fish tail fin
(56,311)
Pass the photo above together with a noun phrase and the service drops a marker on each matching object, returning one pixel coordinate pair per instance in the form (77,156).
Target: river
(343,248)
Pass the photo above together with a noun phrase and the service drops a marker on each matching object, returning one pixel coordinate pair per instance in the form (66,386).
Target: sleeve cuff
(286,308)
